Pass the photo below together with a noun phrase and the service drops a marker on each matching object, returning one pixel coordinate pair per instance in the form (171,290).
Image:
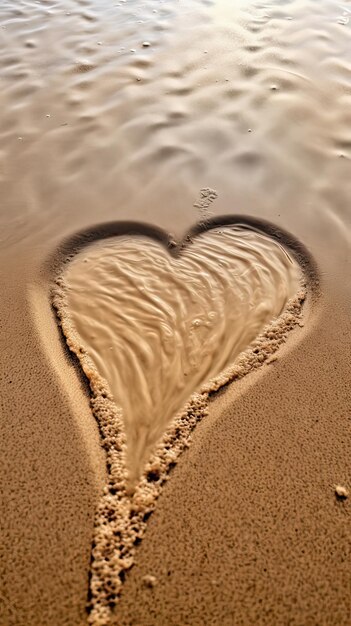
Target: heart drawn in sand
(157,327)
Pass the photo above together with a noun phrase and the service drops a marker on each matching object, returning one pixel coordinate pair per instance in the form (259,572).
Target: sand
(251,104)
(158,322)
(242,290)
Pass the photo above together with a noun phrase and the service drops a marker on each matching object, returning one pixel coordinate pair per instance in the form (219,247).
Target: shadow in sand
(73,244)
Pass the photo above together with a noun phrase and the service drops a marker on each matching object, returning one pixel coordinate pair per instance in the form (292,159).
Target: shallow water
(249,98)
(157,327)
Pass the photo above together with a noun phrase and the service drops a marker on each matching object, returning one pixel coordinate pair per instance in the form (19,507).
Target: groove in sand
(225,291)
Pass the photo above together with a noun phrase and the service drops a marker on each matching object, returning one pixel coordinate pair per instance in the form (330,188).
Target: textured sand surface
(251,100)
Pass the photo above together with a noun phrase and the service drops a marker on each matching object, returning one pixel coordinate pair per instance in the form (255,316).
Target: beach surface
(172,115)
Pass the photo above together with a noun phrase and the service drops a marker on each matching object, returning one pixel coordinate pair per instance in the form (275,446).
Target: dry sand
(252,101)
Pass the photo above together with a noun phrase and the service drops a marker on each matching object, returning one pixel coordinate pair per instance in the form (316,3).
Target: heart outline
(121,516)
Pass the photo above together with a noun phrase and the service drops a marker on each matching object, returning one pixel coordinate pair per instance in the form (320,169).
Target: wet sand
(158,325)
(252,102)
(158,328)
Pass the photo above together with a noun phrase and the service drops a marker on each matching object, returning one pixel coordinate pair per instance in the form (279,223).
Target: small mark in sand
(172,243)
(84,66)
(149,581)
(341,492)
(272,359)
(207,196)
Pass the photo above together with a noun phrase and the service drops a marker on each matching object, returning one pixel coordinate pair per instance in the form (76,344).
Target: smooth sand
(255,105)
